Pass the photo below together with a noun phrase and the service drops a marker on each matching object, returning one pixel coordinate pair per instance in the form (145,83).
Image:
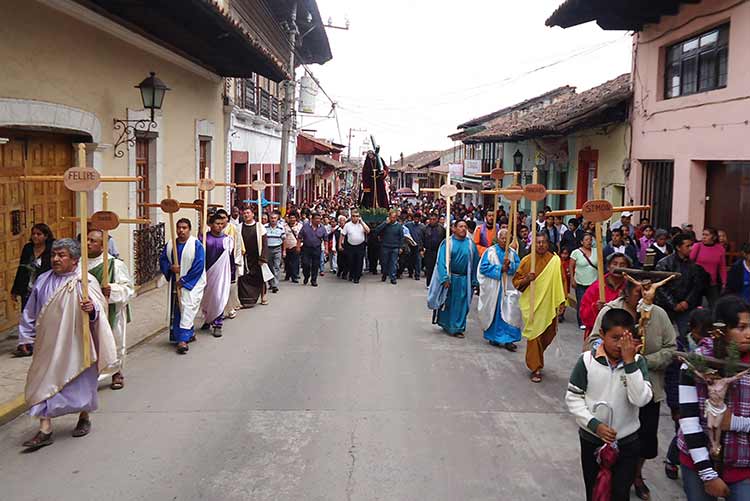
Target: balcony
(258,101)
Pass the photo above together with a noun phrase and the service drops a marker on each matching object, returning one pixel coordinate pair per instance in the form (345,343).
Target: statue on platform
(374,191)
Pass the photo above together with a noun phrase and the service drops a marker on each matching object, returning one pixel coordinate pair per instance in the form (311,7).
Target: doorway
(22,205)
(588,167)
(728,199)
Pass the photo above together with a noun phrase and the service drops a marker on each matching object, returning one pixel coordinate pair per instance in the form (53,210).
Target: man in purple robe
(62,378)
(219,271)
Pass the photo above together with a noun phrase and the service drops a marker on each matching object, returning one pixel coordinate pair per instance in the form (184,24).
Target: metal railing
(149,242)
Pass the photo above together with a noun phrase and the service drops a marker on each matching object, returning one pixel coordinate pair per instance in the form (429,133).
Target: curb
(13,408)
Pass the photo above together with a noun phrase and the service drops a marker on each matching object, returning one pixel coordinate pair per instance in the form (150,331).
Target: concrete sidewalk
(149,317)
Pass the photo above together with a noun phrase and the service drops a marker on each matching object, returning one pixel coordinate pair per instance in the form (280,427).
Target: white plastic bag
(510,307)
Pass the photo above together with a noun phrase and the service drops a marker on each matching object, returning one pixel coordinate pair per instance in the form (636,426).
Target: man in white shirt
(353,244)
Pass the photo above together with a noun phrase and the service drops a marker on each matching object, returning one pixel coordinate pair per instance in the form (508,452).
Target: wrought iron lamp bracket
(128,129)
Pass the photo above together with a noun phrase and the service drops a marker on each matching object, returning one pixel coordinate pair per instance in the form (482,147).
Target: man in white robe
(187,279)
(118,291)
(68,359)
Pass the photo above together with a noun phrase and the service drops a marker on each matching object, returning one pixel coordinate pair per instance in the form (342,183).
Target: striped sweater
(624,387)
(692,439)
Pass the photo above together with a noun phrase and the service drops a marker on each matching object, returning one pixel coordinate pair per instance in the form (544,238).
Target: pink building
(690,156)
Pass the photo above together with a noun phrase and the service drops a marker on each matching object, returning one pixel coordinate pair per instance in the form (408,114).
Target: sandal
(641,489)
(40,440)
(118,381)
(82,428)
(460,335)
(536,377)
(24,350)
(264,302)
(182,348)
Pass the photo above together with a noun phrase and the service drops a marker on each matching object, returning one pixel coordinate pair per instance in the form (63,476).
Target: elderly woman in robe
(496,270)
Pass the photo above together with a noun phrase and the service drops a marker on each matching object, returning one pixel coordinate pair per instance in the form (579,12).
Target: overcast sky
(409,71)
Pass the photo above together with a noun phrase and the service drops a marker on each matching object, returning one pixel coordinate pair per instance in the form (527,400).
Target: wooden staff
(83,210)
(598,211)
(173,237)
(447,191)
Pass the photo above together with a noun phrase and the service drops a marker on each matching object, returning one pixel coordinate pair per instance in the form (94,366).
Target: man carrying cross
(187,277)
(219,271)
(118,291)
(62,378)
(541,307)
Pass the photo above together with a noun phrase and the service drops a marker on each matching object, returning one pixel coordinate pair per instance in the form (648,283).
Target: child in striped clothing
(703,478)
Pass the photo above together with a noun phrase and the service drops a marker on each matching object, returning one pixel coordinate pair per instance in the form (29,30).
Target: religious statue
(374,174)
(715,404)
(646,303)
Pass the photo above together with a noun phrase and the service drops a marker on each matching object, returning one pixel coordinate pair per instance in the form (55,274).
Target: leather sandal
(40,440)
(118,381)
(641,489)
(536,377)
(24,350)
(511,347)
(82,428)
(460,335)
(182,348)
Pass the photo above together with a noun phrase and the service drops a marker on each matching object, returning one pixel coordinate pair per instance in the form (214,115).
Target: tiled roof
(560,117)
(565,89)
(417,160)
(615,14)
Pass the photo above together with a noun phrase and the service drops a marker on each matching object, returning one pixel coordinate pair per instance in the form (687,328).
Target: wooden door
(588,167)
(24,204)
(728,200)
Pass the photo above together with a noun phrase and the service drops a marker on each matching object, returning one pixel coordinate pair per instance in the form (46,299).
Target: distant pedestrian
(392,233)
(276,234)
(353,239)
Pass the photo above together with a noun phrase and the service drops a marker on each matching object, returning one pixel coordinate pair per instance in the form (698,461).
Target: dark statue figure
(374,190)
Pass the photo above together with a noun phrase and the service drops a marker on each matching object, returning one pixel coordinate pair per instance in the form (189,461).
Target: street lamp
(152,91)
(517,161)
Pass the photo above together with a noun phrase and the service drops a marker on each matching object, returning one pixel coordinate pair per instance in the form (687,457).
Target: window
(143,187)
(698,64)
(657,187)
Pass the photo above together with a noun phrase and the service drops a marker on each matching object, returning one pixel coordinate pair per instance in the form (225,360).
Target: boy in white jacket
(613,372)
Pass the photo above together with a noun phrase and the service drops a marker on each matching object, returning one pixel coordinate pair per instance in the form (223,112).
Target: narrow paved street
(337,393)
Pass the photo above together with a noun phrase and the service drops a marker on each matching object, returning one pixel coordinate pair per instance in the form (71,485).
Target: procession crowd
(663,291)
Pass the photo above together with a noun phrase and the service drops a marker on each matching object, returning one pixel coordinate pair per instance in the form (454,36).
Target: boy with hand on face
(612,372)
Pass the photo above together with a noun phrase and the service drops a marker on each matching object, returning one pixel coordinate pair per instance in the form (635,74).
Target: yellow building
(69,71)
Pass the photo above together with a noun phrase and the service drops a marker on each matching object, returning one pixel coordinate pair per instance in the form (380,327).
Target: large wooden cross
(536,193)
(598,211)
(448,191)
(83,179)
(205,184)
(259,185)
(105,221)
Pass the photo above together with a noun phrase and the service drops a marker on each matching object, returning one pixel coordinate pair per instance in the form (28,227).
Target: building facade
(69,72)
(690,156)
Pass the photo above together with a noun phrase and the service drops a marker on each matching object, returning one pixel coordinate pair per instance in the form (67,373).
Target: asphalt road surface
(342,392)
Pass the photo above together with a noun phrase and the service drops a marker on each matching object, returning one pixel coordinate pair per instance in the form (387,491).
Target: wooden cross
(105,221)
(83,179)
(205,184)
(536,193)
(448,191)
(598,211)
(498,174)
(259,185)
(513,193)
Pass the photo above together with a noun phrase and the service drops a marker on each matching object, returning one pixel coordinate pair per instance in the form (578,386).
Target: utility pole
(290,89)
